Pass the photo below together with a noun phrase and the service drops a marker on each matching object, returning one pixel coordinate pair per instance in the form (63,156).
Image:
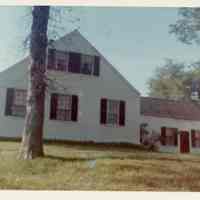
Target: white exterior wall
(155,123)
(90,90)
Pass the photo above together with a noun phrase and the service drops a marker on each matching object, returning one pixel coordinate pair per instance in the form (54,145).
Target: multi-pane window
(87,64)
(64,107)
(113,112)
(61,61)
(19,103)
(73,62)
(15,102)
(170,136)
(196,138)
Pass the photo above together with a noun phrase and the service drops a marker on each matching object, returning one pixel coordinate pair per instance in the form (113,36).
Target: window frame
(110,112)
(64,54)
(196,139)
(65,110)
(93,64)
(52,64)
(16,105)
(172,137)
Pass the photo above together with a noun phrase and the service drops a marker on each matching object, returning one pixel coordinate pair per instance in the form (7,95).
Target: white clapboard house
(92,101)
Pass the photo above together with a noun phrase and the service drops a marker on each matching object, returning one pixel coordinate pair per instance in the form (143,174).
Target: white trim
(108,112)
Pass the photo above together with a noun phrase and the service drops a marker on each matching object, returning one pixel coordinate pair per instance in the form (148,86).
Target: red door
(184,142)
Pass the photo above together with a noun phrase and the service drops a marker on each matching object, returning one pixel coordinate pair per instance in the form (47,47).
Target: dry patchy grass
(90,167)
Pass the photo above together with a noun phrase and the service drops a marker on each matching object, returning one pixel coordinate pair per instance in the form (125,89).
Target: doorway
(184,142)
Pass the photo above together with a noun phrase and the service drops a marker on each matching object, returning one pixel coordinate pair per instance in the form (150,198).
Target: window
(61,61)
(87,64)
(73,62)
(64,107)
(16,102)
(196,138)
(169,136)
(112,112)
(19,104)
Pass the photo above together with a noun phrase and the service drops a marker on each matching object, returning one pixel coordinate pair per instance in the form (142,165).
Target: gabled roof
(16,72)
(73,42)
(186,110)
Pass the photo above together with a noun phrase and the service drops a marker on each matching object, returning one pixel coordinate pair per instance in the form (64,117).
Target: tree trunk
(32,137)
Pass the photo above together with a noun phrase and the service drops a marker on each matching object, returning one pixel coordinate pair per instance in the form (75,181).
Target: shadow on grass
(68,159)
(115,157)
(82,159)
(90,158)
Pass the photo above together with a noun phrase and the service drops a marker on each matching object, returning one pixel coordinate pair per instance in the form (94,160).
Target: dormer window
(73,62)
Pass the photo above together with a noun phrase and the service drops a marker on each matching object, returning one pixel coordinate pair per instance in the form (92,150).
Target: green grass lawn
(90,167)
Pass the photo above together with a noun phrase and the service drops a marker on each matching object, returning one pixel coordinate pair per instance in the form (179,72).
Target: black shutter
(96,65)
(53,106)
(176,137)
(51,59)
(63,67)
(193,138)
(122,111)
(74,62)
(9,101)
(141,133)
(103,111)
(74,113)
(163,135)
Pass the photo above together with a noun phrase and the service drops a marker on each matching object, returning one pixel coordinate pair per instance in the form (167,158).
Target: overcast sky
(134,40)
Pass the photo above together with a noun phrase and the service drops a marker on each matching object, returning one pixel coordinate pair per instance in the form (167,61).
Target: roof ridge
(165,99)
(18,62)
(174,109)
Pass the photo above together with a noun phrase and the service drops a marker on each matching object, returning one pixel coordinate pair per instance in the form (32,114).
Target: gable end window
(73,62)
(195,134)
(64,107)
(169,136)
(112,112)
(87,64)
(61,61)
(57,60)
(15,102)
(90,65)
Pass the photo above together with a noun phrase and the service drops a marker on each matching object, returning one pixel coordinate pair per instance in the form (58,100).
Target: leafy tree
(187,30)
(187,27)
(174,80)
(167,81)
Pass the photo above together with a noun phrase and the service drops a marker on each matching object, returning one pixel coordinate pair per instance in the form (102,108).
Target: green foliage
(187,27)
(173,80)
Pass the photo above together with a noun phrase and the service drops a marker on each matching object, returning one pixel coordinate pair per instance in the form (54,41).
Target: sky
(134,40)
